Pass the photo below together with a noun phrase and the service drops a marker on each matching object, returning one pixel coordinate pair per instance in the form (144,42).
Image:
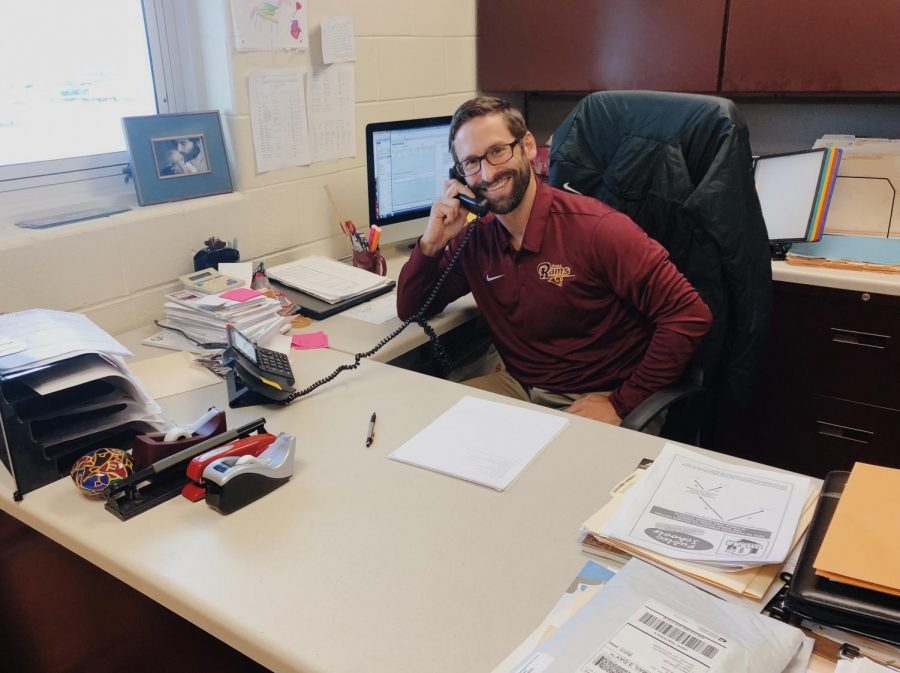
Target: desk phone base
(239,395)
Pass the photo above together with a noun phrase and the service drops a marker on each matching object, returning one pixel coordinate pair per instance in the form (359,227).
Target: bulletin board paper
(264,25)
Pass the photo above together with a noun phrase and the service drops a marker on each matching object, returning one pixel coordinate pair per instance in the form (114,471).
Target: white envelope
(717,636)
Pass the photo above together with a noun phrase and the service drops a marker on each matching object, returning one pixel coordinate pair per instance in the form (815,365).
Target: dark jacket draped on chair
(680,166)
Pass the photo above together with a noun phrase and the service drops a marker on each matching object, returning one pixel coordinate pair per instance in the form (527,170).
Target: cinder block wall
(414,59)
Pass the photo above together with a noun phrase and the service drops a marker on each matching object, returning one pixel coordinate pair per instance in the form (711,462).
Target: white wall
(415,58)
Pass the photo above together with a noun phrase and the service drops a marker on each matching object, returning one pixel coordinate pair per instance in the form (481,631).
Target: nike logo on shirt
(490,278)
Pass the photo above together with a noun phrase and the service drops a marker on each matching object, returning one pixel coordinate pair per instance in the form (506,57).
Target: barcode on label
(679,635)
(608,666)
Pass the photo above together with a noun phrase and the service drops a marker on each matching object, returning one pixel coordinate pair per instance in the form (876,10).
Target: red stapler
(254,445)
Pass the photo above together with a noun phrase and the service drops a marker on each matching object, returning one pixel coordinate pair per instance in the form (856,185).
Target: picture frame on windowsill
(177,156)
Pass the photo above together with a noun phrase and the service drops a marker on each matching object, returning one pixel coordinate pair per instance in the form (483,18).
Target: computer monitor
(407,163)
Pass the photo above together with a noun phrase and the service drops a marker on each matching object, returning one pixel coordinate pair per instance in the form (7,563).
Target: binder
(843,606)
(319,309)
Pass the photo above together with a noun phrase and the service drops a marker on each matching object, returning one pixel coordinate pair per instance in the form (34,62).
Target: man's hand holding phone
(446,220)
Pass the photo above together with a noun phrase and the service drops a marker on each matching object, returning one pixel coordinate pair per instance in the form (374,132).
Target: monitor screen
(407,163)
(789,187)
(241,343)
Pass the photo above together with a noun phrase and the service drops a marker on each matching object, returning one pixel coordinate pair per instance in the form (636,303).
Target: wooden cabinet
(770,46)
(812,46)
(590,45)
(833,387)
(61,613)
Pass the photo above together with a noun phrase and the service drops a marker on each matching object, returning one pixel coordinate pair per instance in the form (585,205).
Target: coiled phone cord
(437,348)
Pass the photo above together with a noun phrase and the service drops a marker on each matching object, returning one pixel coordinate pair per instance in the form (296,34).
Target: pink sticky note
(240,294)
(310,340)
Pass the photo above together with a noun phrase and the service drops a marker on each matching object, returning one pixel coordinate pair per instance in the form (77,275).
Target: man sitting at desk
(586,311)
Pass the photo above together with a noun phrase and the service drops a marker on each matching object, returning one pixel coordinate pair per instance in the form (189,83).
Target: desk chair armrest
(647,410)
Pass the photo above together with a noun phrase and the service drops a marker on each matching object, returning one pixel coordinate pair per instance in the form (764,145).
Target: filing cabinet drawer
(818,434)
(838,343)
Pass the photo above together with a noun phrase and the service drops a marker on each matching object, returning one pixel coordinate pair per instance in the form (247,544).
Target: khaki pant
(503,383)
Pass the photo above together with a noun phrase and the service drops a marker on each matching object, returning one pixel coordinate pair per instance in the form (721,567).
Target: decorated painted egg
(97,469)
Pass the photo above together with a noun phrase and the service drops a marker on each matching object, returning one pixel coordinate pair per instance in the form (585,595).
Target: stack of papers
(203,316)
(644,619)
(861,665)
(327,279)
(725,525)
(862,545)
(488,443)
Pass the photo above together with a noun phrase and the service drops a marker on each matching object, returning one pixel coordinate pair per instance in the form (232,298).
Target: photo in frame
(177,156)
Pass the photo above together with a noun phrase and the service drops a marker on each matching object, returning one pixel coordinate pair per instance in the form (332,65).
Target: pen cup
(370,261)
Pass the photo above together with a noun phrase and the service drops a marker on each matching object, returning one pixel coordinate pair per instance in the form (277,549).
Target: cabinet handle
(854,338)
(844,432)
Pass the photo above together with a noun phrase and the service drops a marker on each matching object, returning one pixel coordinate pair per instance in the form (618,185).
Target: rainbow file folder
(795,191)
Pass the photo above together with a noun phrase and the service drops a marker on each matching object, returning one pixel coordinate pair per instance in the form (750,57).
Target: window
(72,71)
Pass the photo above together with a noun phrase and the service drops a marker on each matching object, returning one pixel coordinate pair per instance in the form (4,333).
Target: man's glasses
(494,156)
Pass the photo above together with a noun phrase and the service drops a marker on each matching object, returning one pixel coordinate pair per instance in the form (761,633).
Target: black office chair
(680,166)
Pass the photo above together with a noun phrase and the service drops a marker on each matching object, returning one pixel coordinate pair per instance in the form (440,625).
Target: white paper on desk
(51,336)
(693,507)
(9,346)
(242,270)
(484,442)
(331,97)
(173,374)
(170,340)
(861,665)
(338,44)
(275,341)
(743,640)
(265,26)
(376,311)
(278,119)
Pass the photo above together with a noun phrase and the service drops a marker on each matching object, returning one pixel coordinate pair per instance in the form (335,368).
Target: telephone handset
(479,207)
(265,372)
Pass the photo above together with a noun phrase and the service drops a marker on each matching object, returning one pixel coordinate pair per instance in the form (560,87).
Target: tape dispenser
(252,446)
(235,481)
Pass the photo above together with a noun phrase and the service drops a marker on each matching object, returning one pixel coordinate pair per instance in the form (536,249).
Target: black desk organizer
(24,415)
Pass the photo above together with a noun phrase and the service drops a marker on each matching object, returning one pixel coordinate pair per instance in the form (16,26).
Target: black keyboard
(275,362)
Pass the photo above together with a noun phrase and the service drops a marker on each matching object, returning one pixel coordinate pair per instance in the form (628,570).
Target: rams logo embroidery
(554,273)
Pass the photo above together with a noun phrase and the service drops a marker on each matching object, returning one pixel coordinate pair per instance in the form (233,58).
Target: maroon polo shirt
(588,303)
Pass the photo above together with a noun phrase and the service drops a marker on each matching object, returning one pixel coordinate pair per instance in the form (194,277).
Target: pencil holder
(370,261)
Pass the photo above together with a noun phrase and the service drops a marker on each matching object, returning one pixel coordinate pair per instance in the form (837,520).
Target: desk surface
(841,279)
(359,562)
(349,335)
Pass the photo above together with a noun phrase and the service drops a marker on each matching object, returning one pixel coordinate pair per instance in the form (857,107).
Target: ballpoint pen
(370,436)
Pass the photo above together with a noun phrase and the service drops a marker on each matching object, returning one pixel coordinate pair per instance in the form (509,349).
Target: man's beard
(501,205)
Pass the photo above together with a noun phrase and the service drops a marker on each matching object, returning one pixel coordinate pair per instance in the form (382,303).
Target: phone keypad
(274,361)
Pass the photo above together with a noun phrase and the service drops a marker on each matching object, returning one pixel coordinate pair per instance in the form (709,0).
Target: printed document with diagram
(693,507)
